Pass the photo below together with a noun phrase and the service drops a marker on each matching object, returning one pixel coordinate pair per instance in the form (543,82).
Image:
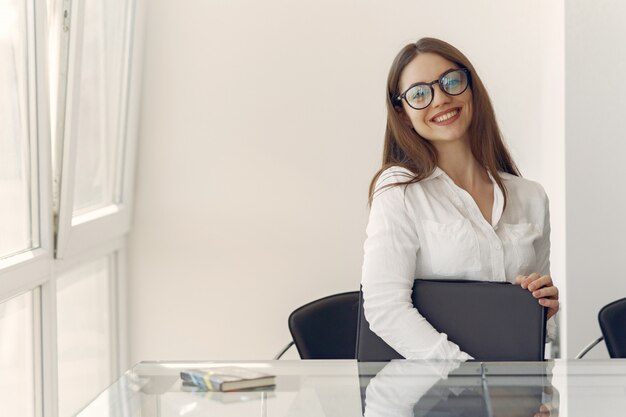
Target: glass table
(398,388)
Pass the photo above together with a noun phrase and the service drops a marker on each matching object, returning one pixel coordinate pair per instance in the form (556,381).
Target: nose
(440,98)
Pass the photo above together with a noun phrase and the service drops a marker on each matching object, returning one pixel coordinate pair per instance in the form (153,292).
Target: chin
(449,138)
(453,136)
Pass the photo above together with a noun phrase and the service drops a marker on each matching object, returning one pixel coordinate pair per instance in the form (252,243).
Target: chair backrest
(326,328)
(612,319)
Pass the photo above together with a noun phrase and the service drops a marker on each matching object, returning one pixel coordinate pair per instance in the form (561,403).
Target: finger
(544,281)
(551,312)
(519,279)
(547,302)
(543,413)
(532,277)
(545,292)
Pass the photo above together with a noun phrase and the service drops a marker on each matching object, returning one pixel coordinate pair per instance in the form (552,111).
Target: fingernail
(542,301)
(536,293)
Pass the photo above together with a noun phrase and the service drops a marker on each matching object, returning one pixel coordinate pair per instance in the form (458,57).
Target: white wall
(596,165)
(261,128)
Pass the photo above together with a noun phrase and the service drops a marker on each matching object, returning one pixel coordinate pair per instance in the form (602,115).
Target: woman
(448,201)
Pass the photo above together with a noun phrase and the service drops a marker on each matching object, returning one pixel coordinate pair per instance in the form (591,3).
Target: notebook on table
(491,321)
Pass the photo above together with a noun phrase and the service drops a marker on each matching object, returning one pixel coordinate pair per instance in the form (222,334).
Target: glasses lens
(419,96)
(454,82)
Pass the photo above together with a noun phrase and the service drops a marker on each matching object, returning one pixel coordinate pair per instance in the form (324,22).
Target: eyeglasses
(419,95)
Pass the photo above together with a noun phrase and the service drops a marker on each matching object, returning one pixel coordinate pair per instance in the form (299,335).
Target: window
(66,165)
(17,353)
(93,146)
(85,332)
(18,229)
(101,106)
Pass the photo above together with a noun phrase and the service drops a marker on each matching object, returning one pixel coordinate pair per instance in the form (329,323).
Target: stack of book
(226,378)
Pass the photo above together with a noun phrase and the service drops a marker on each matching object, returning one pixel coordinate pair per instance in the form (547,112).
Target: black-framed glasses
(452,82)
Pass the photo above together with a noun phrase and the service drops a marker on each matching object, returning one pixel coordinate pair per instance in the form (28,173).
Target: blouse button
(498,246)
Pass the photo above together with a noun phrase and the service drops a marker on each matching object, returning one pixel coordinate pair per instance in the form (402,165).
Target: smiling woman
(448,201)
(453,101)
(280,109)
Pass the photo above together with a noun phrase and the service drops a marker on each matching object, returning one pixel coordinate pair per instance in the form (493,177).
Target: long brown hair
(404,147)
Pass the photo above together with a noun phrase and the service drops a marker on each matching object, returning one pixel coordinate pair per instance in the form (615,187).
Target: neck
(456,160)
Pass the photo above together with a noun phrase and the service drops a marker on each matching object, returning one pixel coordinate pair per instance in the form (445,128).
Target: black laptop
(491,321)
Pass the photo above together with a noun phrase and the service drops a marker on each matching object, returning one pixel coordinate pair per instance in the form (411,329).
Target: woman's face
(447,118)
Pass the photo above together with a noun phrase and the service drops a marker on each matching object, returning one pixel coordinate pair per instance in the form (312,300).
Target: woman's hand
(543,289)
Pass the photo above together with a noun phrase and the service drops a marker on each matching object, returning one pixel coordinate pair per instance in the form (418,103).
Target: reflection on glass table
(398,388)
(442,389)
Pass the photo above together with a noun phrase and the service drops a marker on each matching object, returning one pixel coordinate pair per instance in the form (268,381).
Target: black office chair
(325,328)
(612,320)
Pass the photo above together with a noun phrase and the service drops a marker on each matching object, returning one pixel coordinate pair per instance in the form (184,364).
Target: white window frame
(88,238)
(116,250)
(31,270)
(74,234)
(26,270)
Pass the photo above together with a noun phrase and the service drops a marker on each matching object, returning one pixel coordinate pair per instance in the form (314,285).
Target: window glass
(101,105)
(54,9)
(17,382)
(84,334)
(16,233)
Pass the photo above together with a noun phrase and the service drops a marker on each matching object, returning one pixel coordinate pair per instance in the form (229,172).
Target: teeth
(446,116)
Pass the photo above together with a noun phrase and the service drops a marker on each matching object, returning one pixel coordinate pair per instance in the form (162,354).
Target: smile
(446,116)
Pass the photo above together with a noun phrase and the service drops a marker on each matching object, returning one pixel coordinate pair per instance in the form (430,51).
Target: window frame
(28,269)
(51,175)
(75,233)
(115,250)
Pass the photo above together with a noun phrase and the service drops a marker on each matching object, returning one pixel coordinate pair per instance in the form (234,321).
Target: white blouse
(434,229)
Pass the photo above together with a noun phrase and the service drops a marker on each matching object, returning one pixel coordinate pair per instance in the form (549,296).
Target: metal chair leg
(589,347)
(285,349)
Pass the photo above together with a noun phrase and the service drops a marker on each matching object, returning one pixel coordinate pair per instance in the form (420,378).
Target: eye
(450,82)
(418,93)
(454,82)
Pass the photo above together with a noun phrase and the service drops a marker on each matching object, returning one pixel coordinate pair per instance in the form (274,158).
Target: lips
(446,115)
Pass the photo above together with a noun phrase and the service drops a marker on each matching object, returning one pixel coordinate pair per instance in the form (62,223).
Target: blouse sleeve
(542,250)
(388,272)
